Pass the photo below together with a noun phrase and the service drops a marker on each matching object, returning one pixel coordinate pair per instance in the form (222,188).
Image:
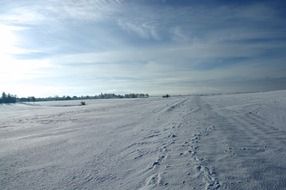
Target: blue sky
(179,47)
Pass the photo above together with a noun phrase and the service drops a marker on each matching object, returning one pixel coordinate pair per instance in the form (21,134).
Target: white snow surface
(185,142)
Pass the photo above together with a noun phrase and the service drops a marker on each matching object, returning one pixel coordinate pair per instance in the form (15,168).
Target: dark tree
(7,98)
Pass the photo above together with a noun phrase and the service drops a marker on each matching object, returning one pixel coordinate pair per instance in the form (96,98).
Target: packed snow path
(194,142)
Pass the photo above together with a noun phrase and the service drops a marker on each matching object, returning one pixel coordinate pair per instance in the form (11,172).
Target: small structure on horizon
(166,96)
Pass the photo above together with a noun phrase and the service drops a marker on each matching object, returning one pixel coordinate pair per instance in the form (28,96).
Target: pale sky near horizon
(86,47)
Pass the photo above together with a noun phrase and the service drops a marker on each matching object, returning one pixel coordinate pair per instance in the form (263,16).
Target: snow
(185,142)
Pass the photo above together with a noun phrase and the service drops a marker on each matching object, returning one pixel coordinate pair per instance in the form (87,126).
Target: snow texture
(185,142)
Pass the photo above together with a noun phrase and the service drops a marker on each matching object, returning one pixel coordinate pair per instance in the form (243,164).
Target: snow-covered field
(186,142)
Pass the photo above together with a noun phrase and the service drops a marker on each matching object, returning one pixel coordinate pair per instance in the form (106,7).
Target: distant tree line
(7,98)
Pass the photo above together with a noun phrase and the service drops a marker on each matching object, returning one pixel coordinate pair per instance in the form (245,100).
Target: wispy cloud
(154,46)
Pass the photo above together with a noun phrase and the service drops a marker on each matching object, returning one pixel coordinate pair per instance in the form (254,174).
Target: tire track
(205,129)
(261,132)
(179,151)
(258,120)
(252,143)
